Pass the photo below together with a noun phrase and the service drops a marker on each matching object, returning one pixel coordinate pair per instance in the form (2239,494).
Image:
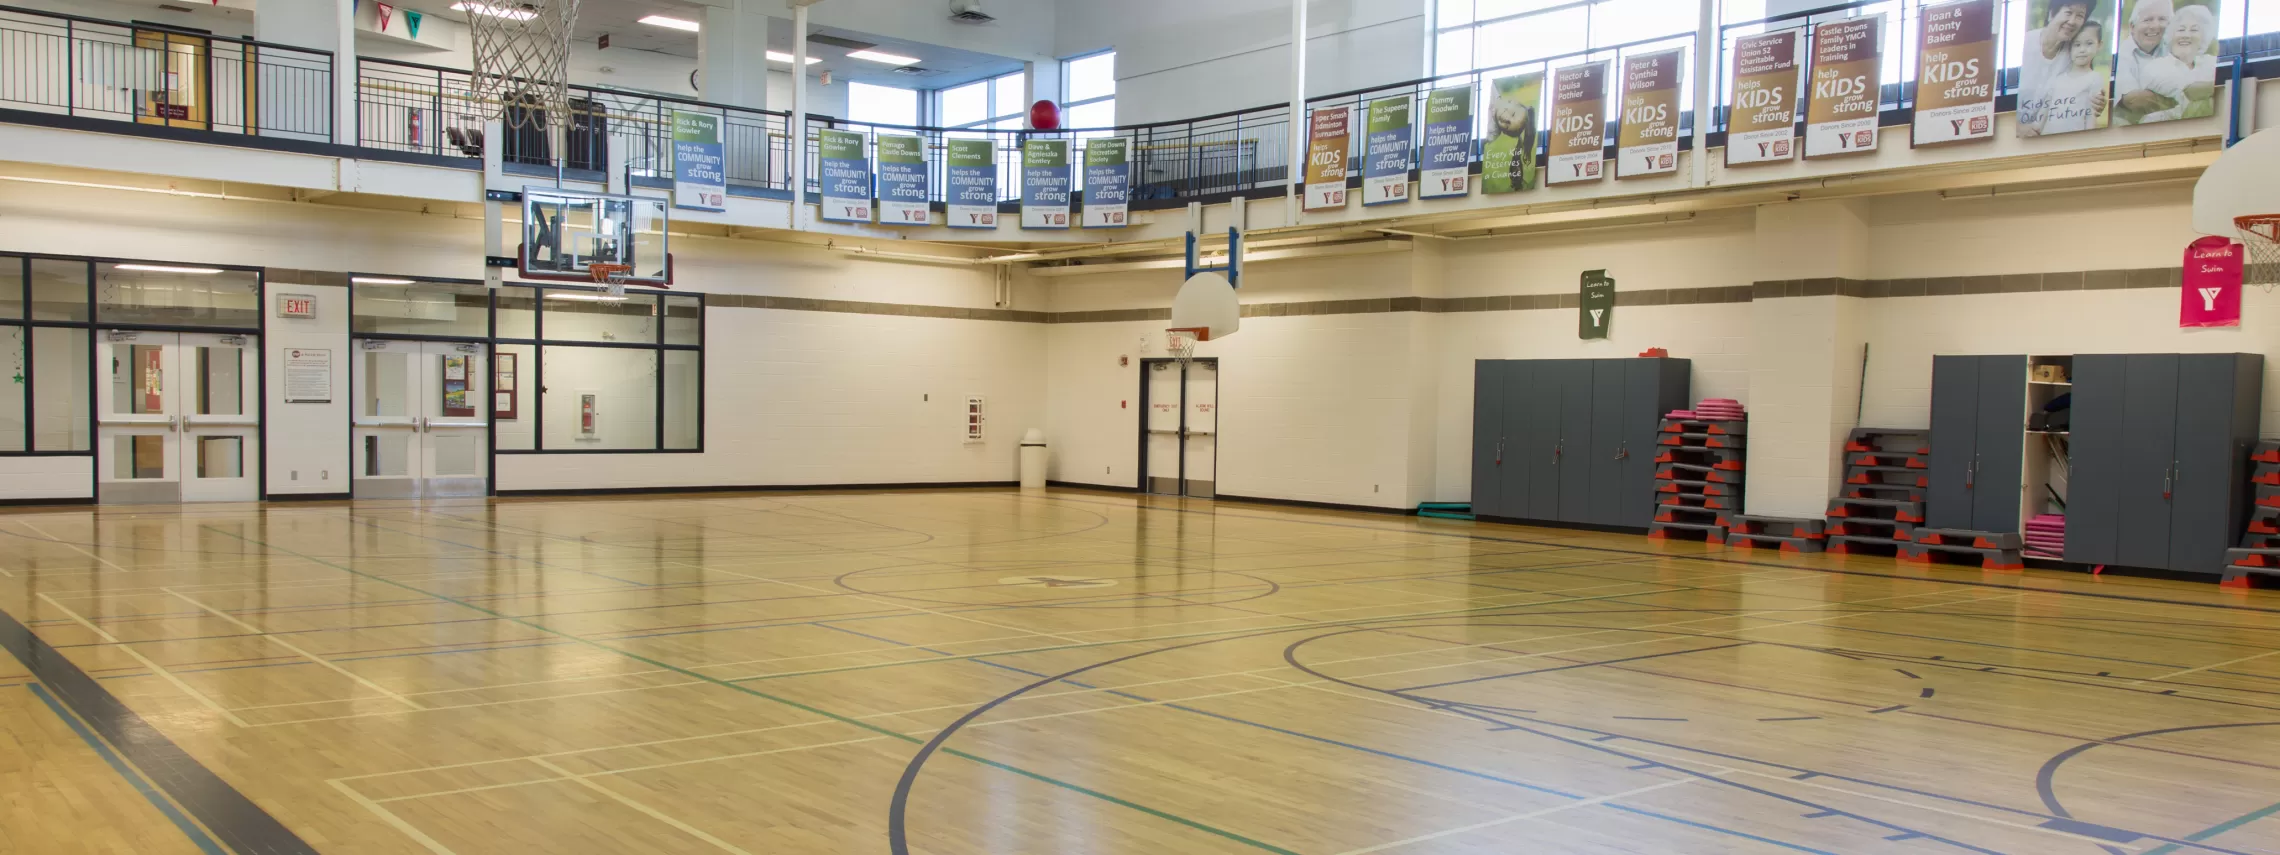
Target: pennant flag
(412,21)
(385,12)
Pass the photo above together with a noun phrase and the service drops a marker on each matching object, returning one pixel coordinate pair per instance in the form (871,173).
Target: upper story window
(999,103)
(1478,35)
(881,105)
(1089,91)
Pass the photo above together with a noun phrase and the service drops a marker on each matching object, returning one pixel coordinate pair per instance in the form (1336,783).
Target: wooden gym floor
(983,671)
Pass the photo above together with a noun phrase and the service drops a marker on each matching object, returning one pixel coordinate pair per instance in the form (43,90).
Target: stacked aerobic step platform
(1788,534)
(1698,475)
(1882,501)
(1992,550)
(2259,552)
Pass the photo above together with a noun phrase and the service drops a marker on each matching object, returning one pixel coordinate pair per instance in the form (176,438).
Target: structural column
(326,26)
(732,55)
(1805,337)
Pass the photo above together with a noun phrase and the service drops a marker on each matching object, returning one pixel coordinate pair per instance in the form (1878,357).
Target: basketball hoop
(612,277)
(1181,341)
(2261,234)
(522,60)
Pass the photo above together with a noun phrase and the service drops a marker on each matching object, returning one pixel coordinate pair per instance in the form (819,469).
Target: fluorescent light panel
(888,58)
(168,268)
(671,23)
(378,280)
(780,56)
(588,296)
(495,11)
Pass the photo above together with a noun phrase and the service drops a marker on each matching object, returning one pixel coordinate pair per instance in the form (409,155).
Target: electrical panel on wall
(973,418)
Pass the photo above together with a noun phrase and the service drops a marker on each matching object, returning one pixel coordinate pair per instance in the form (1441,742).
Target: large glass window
(177,295)
(988,103)
(1090,86)
(881,105)
(601,372)
(392,306)
(45,354)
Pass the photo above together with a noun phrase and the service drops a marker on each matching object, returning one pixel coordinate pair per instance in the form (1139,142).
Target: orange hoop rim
(604,271)
(1200,334)
(2266,226)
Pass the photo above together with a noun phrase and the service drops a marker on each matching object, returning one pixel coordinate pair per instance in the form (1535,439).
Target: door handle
(2169,481)
(1623,449)
(1971,473)
(420,424)
(172,425)
(1500,451)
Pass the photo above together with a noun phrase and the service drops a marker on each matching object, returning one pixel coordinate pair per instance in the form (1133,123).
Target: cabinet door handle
(2169,481)
(1558,448)
(1623,449)
(1971,473)
(1500,451)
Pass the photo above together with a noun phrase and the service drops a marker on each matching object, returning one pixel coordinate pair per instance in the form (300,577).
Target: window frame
(994,112)
(918,105)
(538,343)
(1068,105)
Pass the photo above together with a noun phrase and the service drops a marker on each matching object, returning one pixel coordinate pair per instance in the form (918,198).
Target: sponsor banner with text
(1848,78)
(2212,283)
(846,177)
(1955,73)
(971,174)
(1045,184)
(1444,164)
(1508,157)
(1647,141)
(1326,144)
(1385,168)
(1763,125)
(1108,182)
(902,181)
(1579,141)
(699,181)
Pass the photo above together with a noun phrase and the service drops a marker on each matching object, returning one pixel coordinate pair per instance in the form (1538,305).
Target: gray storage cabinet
(1571,440)
(1979,423)
(2159,458)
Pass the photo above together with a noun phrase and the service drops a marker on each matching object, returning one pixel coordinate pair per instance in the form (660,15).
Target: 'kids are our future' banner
(1108,182)
(1764,98)
(1508,158)
(1647,142)
(1385,169)
(1045,184)
(1326,138)
(902,181)
(1579,99)
(1443,164)
(1848,78)
(971,173)
(1955,73)
(846,177)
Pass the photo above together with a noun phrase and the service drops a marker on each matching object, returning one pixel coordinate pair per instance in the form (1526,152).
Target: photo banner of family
(2081,70)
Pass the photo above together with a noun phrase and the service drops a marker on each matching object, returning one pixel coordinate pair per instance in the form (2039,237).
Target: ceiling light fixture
(378,280)
(780,56)
(500,11)
(168,268)
(888,58)
(671,23)
(588,296)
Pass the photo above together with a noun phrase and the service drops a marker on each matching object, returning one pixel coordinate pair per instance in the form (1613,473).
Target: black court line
(1571,667)
(234,819)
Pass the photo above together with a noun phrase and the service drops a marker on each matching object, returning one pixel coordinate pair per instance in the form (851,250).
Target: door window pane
(594,316)
(423,308)
(138,457)
(15,431)
(220,457)
(387,391)
(221,382)
(457,454)
(684,320)
(59,290)
(388,454)
(138,379)
(11,286)
(513,396)
(62,409)
(1092,77)
(683,389)
(600,398)
(174,294)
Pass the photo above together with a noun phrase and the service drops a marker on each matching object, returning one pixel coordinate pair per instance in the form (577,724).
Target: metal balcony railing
(154,75)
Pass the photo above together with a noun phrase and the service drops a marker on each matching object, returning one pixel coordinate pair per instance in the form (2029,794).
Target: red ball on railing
(1045,116)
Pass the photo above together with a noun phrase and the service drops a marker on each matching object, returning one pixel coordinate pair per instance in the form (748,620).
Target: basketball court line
(652,813)
(258,632)
(196,835)
(154,667)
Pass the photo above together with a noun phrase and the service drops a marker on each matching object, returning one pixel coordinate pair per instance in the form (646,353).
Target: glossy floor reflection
(986,671)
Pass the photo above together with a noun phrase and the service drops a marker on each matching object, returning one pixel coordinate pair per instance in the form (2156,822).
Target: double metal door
(179,417)
(1570,440)
(2159,448)
(419,428)
(1180,438)
(1979,422)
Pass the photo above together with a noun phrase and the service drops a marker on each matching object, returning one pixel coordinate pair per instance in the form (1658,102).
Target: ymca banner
(1326,140)
(1578,146)
(1848,77)
(2169,58)
(2211,296)
(1108,182)
(1763,124)
(1045,184)
(846,177)
(1647,142)
(1955,73)
(1385,168)
(1443,166)
(699,182)
(902,181)
(971,193)
(1508,158)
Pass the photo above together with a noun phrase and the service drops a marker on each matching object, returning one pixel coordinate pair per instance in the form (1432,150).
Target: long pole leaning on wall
(1298,129)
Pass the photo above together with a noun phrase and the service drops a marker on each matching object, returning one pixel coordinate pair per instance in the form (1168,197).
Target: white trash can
(1033,460)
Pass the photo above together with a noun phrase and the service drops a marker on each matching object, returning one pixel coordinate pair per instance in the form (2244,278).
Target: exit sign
(296,306)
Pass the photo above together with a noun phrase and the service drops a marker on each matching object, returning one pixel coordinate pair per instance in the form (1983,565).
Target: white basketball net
(2261,235)
(1181,343)
(522,59)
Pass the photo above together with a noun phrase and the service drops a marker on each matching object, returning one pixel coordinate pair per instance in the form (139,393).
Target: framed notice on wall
(455,383)
(504,392)
(308,376)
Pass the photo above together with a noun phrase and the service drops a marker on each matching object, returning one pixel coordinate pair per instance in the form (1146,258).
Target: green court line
(198,836)
(2219,828)
(1257,844)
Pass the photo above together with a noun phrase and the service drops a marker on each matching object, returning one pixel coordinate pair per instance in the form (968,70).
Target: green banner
(842,145)
(1111,151)
(973,153)
(1389,114)
(1508,158)
(901,149)
(1045,154)
(1595,308)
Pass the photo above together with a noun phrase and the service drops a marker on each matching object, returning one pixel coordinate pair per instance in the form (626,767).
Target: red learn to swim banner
(2211,295)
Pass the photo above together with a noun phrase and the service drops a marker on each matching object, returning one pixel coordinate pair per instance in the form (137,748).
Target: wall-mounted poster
(1595,305)
(1385,166)
(698,179)
(846,177)
(1763,127)
(504,391)
(1579,140)
(971,176)
(2211,296)
(456,380)
(1508,158)
(1045,184)
(1326,141)
(1647,141)
(1848,80)
(1443,165)
(1955,73)
(2168,67)
(1108,182)
(902,182)
(2066,62)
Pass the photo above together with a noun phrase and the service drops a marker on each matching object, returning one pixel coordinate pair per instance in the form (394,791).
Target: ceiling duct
(969,12)
(837,42)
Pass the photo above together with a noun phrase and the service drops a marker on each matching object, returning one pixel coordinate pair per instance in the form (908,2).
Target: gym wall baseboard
(1610,529)
(306,497)
(32,503)
(1080,485)
(759,488)
(1327,506)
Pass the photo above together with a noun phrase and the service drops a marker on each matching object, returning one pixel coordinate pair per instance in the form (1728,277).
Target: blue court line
(197,835)
(2219,828)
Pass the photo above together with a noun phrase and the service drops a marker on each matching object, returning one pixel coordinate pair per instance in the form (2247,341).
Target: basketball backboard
(565,232)
(2245,181)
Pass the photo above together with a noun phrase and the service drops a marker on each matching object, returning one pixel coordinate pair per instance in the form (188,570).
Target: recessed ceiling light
(672,23)
(888,58)
(168,268)
(495,11)
(378,280)
(780,56)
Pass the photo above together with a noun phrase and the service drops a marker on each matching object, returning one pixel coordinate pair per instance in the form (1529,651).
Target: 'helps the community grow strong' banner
(1647,142)
(1848,77)
(1579,100)
(1442,165)
(698,180)
(1955,73)
(1045,184)
(1763,126)
(902,181)
(846,178)
(1108,182)
(1326,139)
(1385,169)
(971,174)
